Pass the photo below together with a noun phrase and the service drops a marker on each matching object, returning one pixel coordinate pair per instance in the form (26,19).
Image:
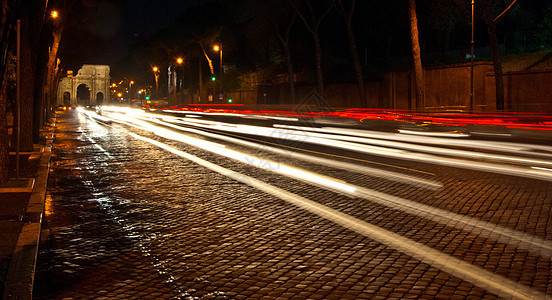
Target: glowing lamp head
(179,60)
(54,14)
(216,47)
(155,69)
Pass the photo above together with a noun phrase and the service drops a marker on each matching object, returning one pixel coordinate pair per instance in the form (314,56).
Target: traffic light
(147,97)
(229,100)
(213,78)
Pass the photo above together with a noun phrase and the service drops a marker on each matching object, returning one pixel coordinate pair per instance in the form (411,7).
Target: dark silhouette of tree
(445,22)
(347,13)
(282,24)
(52,66)
(32,20)
(418,71)
(7,21)
(493,39)
(312,17)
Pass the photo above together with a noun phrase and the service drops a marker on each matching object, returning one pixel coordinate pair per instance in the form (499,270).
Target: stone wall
(446,89)
(526,91)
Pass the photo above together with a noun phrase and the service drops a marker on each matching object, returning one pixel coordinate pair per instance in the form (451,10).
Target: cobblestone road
(128,219)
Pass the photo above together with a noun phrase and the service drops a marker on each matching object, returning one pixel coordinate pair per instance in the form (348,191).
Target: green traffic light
(229,100)
(147,97)
(213,78)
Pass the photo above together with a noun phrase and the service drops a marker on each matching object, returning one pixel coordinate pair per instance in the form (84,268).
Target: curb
(21,272)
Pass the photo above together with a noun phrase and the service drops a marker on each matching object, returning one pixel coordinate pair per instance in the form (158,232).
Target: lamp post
(218,48)
(179,62)
(131,94)
(471,56)
(50,67)
(156,73)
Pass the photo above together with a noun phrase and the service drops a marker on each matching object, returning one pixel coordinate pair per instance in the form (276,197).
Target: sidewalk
(21,211)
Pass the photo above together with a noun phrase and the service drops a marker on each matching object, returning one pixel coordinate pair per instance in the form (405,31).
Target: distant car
(64,107)
(95,108)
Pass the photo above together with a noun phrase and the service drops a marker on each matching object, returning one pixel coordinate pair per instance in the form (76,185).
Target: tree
(445,21)
(41,69)
(347,14)
(491,28)
(52,68)
(32,19)
(282,27)
(7,18)
(418,71)
(312,20)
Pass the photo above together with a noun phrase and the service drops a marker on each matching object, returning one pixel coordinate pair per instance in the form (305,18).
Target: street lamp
(156,73)
(54,14)
(218,48)
(130,91)
(179,62)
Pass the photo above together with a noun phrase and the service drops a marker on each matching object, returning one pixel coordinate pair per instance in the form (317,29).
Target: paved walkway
(21,210)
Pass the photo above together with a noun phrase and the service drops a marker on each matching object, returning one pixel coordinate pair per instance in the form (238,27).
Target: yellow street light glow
(120,95)
(155,69)
(131,82)
(179,60)
(216,47)
(54,14)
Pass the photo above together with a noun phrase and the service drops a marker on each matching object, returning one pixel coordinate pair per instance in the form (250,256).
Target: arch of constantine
(90,86)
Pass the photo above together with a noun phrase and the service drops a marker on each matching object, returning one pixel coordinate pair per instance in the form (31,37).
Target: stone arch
(66,98)
(83,95)
(99,98)
(95,77)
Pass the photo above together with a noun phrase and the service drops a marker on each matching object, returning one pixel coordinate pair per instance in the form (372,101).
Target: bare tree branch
(505,11)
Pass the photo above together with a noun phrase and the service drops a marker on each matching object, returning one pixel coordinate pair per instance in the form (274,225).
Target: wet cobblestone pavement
(128,220)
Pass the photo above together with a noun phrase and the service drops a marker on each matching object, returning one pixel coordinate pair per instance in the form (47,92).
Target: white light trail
(504,235)
(93,115)
(478,276)
(482,144)
(374,172)
(420,148)
(433,133)
(312,178)
(376,150)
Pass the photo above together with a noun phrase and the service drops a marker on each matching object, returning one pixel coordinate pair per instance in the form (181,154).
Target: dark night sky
(112,27)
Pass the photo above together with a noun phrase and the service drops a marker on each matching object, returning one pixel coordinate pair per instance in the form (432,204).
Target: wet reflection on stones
(129,220)
(86,251)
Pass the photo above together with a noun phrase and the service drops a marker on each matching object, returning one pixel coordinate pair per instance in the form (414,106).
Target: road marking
(477,276)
